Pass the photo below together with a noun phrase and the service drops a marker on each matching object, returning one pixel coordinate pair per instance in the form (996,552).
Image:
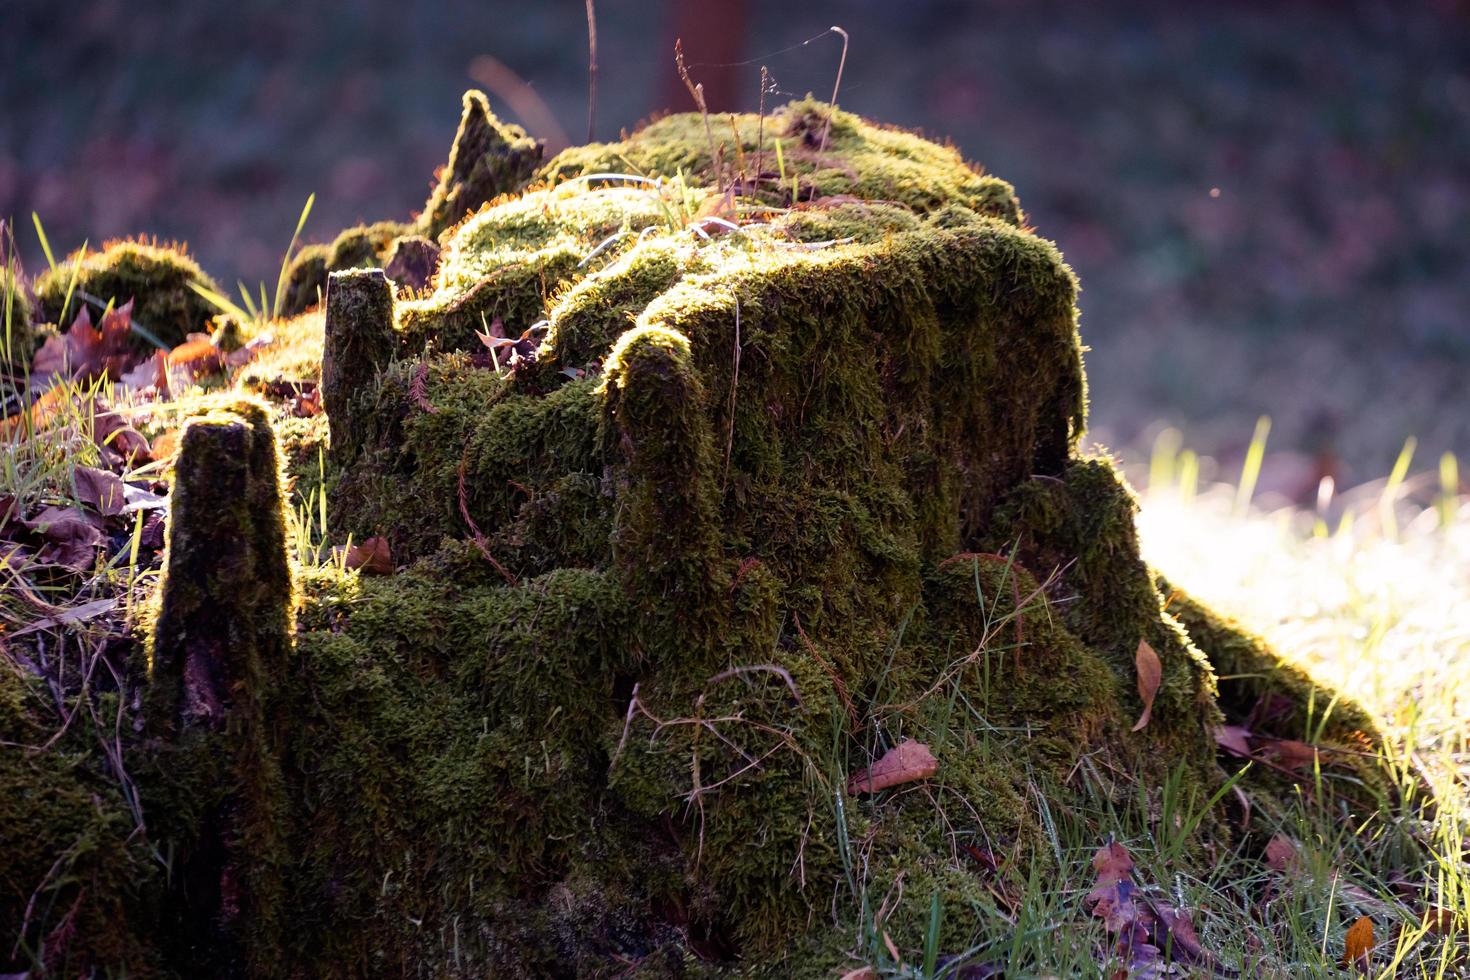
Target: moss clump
(362,247)
(358,343)
(825,153)
(158,279)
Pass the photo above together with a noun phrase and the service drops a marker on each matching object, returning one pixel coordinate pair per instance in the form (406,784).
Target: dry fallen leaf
(1358,946)
(1292,754)
(1143,925)
(1234,739)
(72,536)
(86,351)
(861,973)
(112,432)
(906,762)
(195,356)
(1150,673)
(371,557)
(100,490)
(1281,854)
(151,374)
(307,403)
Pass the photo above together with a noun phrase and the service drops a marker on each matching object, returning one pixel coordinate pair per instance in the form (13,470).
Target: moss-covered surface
(17,329)
(745,508)
(156,278)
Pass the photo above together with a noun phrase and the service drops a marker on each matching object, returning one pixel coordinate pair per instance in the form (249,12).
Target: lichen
(156,278)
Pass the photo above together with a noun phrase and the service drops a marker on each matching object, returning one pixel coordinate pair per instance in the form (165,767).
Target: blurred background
(1268,204)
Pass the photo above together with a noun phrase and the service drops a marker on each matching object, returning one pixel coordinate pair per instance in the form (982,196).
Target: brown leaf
(52,358)
(861,973)
(196,356)
(1439,921)
(69,617)
(1282,854)
(150,374)
(1234,739)
(906,762)
(1150,673)
(244,355)
(100,490)
(372,557)
(111,431)
(307,404)
(1358,946)
(1112,862)
(86,351)
(1293,754)
(72,536)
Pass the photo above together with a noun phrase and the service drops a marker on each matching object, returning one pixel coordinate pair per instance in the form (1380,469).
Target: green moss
(489,159)
(77,885)
(156,278)
(306,278)
(856,158)
(362,247)
(17,331)
(358,342)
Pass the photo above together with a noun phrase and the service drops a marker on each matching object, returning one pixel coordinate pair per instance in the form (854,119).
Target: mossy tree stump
(219,647)
(753,503)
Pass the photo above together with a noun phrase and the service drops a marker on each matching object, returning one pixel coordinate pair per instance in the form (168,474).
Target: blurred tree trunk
(713,35)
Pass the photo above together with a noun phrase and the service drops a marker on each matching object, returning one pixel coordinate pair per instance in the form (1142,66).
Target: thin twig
(782,672)
(760,125)
(838,684)
(477,535)
(697,91)
(734,387)
(832,107)
(591,69)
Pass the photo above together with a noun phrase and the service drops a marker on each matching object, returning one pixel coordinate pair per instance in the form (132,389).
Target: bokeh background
(1268,204)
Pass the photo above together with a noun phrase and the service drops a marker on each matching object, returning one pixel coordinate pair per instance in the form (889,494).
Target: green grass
(1378,608)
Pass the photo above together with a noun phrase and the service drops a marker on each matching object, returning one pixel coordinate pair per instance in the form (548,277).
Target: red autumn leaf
(1142,925)
(1112,862)
(86,351)
(1150,673)
(1292,754)
(195,356)
(307,404)
(906,762)
(371,557)
(100,490)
